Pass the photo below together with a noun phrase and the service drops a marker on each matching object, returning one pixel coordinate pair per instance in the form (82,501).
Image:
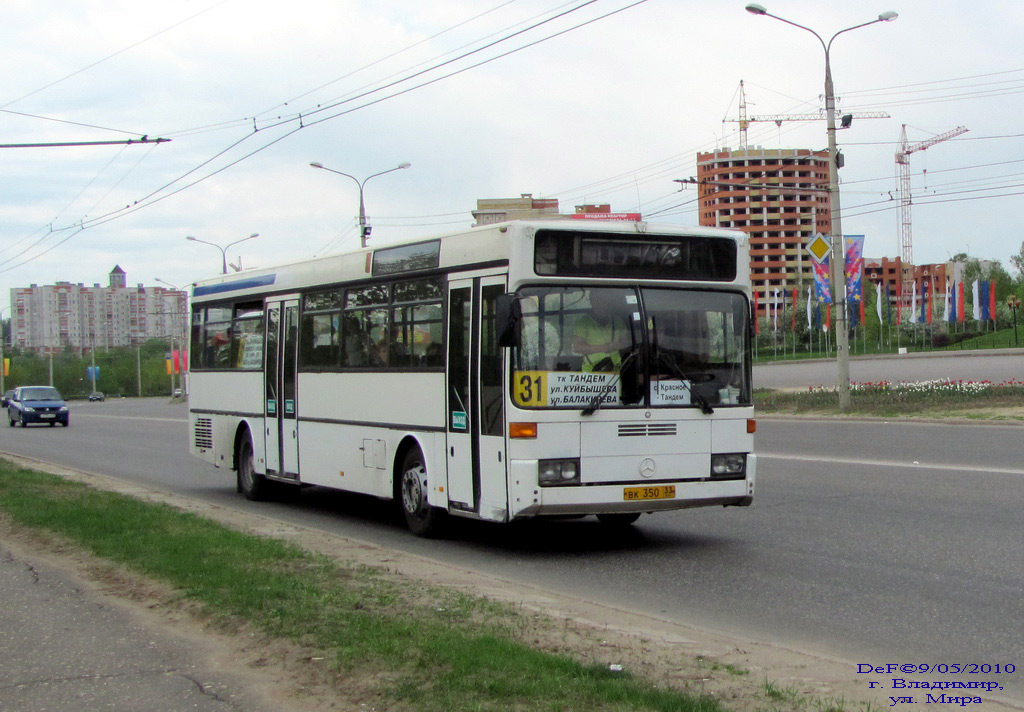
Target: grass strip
(418,649)
(937,398)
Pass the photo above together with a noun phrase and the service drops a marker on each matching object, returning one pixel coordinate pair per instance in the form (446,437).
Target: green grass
(913,342)
(418,648)
(964,399)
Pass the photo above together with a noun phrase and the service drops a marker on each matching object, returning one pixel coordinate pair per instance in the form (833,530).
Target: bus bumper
(532,501)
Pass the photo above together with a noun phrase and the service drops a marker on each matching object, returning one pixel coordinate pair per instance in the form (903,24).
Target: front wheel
(251,484)
(422,519)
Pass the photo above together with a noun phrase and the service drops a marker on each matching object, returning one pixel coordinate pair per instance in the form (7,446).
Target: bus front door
(282,436)
(476,418)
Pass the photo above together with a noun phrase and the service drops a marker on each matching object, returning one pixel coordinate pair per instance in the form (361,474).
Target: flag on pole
(888,305)
(855,277)
(951,306)
(757,313)
(931,297)
(913,305)
(878,301)
(809,291)
(976,312)
(822,281)
(992,300)
(960,313)
(899,304)
(984,301)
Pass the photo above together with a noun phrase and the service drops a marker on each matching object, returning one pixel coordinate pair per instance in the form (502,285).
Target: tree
(1018,263)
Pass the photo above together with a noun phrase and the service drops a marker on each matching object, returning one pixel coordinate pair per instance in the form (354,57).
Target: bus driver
(602,335)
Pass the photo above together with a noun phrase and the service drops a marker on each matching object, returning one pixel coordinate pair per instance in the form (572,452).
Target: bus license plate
(660,492)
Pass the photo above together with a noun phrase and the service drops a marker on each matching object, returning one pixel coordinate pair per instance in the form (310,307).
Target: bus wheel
(250,483)
(422,519)
(618,520)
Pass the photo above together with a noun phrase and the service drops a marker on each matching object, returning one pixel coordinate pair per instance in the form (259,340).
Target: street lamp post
(1012,301)
(838,251)
(364,229)
(223,250)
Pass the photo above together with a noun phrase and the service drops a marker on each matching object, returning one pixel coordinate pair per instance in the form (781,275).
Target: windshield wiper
(598,400)
(687,381)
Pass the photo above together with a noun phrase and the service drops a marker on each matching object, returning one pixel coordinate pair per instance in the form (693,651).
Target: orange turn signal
(751,425)
(522,430)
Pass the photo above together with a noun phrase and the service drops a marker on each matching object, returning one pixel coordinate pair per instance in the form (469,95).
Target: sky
(599,101)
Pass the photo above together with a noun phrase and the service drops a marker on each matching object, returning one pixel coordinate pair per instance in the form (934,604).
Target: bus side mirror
(508,319)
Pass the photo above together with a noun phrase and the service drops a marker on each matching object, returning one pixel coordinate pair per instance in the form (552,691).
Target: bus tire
(251,484)
(422,519)
(618,519)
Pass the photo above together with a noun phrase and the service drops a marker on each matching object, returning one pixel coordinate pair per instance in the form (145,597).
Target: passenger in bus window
(602,335)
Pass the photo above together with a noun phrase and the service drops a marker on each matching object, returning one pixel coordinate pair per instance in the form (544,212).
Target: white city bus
(451,375)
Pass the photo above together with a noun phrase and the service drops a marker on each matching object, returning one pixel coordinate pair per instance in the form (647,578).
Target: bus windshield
(631,347)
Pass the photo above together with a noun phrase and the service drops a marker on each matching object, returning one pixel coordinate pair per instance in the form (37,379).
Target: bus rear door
(281,422)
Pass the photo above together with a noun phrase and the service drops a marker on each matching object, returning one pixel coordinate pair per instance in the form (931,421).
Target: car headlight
(62,408)
(28,409)
(728,465)
(558,472)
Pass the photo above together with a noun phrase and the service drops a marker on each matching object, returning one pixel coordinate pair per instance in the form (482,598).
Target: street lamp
(364,229)
(838,251)
(1012,301)
(223,250)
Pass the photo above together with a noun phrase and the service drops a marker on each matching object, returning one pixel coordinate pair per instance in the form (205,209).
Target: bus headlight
(728,465)
(558,472)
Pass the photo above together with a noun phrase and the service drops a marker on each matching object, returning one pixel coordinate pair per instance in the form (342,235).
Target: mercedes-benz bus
(453,374)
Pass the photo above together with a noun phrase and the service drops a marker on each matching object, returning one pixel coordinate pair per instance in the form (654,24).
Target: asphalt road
(876,542)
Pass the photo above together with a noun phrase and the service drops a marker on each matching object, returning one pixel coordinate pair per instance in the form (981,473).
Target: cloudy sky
(584,101)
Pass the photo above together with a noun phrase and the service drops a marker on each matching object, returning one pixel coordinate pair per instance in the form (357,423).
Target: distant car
(37,404)
(96,396)
(6,398)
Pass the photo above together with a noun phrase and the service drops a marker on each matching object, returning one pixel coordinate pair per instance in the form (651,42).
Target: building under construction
(779,197)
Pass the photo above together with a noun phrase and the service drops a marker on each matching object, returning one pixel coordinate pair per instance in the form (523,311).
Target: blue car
(37,404)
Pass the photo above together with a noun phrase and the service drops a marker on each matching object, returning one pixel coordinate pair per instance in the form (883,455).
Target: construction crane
(744,121)
(903,166)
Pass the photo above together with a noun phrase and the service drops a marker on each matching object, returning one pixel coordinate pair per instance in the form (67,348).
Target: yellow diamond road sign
(819,247)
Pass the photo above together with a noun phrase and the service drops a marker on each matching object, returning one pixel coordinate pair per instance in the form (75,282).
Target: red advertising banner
(632,217)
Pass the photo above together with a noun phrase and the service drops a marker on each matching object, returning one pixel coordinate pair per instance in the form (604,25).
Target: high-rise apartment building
(54,317)
(779,197)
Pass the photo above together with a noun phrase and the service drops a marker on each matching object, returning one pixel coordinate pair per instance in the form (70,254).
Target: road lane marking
(891,463)
(131,417)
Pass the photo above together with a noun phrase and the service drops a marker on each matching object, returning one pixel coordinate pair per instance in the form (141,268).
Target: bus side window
(366,338)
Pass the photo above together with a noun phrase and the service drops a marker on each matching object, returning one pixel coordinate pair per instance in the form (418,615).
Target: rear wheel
(251,484)
(422,519)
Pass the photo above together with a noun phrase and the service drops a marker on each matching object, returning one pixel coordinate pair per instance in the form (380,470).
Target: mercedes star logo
(647,467)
